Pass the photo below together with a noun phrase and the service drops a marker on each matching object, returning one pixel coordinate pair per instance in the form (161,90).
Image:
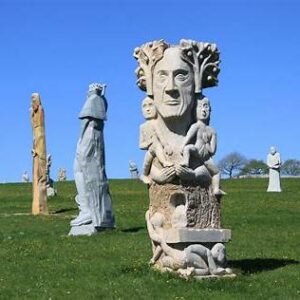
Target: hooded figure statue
(93,198)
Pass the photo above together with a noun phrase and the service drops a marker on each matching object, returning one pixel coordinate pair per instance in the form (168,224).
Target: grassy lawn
(39,261)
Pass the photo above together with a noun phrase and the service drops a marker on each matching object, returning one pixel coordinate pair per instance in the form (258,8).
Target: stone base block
(191,235)
(83,230)
(87,229)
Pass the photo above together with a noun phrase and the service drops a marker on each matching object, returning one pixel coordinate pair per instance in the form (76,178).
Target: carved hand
(205,137)
(185,173)
(164,175)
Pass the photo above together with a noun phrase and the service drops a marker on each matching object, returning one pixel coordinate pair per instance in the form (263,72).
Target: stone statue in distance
(39,174)
(184,218)
(93,198)
(274,164)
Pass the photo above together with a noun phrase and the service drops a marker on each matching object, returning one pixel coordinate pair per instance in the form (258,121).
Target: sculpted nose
(171,86)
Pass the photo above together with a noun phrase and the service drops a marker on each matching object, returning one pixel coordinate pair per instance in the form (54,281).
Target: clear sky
(57,48)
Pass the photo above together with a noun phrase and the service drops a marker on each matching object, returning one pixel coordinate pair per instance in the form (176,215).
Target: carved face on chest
(173,85)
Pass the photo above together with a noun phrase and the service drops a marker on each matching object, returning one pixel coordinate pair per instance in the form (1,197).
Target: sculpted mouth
(171,102)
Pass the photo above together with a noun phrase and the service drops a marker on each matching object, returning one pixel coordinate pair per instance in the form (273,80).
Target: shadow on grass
(250,266)
(60,211)
(133,229)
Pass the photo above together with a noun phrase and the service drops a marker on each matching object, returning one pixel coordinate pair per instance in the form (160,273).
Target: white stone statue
(93,198)
(184,183)
(274,164)
(25,177)
(133,169)
(62,174)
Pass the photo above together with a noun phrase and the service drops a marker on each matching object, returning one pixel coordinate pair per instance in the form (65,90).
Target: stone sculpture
(25,177)
(39,176)
(50,183)
(133,169)
(274,164)
(184,183)
(93,198)
(62,174)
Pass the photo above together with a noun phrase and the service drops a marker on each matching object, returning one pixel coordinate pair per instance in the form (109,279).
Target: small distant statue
(93,198)
(274,164)
(133,169)
(50,183)
(62,174)
(39,176)
(25,177)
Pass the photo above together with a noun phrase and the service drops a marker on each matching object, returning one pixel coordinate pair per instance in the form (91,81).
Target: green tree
(291,167)
(254,167)
(232,164)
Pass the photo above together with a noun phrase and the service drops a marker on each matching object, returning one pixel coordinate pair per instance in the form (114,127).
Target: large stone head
(173,75)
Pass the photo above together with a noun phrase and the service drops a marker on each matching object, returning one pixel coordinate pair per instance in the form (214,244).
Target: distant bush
(291,167)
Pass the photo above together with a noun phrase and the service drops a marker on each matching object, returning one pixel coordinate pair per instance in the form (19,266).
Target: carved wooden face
(35,101)
(173,85)
(148,108)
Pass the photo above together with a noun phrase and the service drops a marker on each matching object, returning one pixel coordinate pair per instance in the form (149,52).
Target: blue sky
(58,47)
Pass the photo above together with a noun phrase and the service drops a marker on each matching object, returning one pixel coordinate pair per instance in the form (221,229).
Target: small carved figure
(61,174)
(205,143)
(25,177)
(274,164)
(50,183)
(133,169)
(150,141)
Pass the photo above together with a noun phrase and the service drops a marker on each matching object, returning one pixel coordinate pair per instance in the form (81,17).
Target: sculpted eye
(182,76)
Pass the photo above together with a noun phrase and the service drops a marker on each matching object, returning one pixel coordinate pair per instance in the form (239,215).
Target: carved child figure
(150,141)
(205,143)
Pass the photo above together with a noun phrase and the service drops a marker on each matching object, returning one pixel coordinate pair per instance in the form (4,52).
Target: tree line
(235,164)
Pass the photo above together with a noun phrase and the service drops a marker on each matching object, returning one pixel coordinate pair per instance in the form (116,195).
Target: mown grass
(39,261)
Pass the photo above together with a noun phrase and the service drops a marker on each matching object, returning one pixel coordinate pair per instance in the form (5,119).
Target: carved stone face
(203,109)
(35,101)
(148,108)
(272,150)
(173,85)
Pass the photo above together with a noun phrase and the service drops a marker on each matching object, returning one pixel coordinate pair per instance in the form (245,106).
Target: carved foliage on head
(147,56)
(204,58)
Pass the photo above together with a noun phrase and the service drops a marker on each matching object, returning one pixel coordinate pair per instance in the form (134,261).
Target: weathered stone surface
(202,208)
(192,235)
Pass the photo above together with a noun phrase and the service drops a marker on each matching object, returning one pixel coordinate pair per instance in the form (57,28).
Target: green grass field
(39,261)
